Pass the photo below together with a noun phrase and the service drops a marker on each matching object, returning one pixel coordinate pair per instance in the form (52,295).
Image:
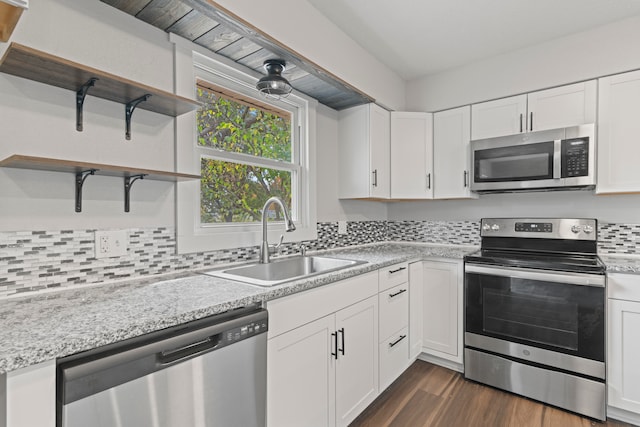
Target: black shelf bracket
(80,178)
(128,182)
(128,112)
(80,95)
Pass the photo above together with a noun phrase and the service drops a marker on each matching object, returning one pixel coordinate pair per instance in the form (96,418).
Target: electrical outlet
(342,227)
(111,243)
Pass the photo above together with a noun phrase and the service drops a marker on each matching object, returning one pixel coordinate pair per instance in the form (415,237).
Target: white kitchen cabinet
(451,137)
(618,131)
(442,310)
(563,106)
(31,396)
(364,150)
(393,301)
(323,354)
(411,155)
(623,346)
(505,116)
(416,295)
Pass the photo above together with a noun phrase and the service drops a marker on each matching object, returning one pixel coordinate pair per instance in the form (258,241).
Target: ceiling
(226,35)
(421,37)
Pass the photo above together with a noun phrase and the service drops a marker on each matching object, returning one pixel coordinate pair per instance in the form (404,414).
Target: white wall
(39,120)
(605,50)
(301,27)
(329,207)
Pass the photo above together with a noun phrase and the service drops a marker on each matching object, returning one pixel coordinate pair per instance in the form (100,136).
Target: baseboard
(459,367)
(623,415)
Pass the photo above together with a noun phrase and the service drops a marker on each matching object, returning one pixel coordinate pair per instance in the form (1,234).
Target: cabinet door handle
(341,349)
(521,123)
(335,345)
(531,121)
(392,344)
(397,270)
(428,181)
(375,177)
(401,291)
(465,179)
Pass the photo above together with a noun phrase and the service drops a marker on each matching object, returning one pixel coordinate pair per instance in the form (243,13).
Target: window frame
(193,62)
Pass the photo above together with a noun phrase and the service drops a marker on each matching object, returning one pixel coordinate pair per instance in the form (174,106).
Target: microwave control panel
(575,157)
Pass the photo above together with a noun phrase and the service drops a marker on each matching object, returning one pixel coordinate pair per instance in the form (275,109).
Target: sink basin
(284,270)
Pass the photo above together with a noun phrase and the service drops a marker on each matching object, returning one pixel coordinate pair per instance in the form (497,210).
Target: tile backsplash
(36,260)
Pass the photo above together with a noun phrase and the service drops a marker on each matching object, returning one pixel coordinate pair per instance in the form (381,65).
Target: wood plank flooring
(429,395)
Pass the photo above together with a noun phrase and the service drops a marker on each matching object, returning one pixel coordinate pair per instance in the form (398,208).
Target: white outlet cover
(111,243)
(342,227)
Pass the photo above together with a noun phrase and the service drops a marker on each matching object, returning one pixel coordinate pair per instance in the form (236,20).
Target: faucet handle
(303,250)
(274,248)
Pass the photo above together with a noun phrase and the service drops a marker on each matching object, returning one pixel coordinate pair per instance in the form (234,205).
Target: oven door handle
(582,279)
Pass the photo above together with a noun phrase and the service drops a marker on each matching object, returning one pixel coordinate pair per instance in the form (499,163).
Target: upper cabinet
(451,137)
(411,155)
(364,150)
(618,130)
(563,106)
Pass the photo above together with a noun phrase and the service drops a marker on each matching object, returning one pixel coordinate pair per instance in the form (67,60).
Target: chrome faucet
(266,249)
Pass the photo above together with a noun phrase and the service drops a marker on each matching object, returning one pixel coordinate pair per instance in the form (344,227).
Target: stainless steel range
(535,312)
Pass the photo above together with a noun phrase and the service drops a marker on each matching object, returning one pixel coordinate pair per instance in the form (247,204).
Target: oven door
(543,317)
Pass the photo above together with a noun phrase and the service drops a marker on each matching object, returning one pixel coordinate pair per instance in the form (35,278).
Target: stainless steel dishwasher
(210,372)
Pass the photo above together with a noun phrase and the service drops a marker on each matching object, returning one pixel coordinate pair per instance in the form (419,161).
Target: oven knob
(587,229)
(486,227)
(495,227)
(576,228)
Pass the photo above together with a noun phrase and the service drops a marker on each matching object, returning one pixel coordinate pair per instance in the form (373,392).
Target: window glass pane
(234,124)
(234,192)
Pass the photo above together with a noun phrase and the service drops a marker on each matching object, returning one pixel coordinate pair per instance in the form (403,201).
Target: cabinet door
(623,376)
(618,131)
(506,116)
(30,396)
(411,155)
(357,363)
(440,326)
(380,150)
(301,376)
(416,284)
(451,136)
(563,106)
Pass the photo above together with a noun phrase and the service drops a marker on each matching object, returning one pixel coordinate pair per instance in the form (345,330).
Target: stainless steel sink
(284,270)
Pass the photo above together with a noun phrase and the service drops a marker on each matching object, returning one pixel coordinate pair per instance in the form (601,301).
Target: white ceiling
(421,37)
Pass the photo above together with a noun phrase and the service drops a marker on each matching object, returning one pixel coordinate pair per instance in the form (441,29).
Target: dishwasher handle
(169,357)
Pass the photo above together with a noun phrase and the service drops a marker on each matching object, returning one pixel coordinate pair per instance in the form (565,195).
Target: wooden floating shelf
(9,17)
(23,61)
(83,169)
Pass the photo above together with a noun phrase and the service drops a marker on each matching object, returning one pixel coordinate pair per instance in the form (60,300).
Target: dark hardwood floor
(429,395)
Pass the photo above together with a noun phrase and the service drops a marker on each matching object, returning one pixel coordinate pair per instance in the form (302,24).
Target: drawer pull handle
(397,270)
(392,344)
(401,291)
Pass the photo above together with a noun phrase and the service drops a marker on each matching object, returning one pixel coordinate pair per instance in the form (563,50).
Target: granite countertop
(621,263)
(51,325)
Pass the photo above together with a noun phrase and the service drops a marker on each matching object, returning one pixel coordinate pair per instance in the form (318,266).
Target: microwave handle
(557,159)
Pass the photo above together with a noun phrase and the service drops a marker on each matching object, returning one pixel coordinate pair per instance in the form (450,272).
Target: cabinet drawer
(623,286)
(394,310)
(394,357)
(393,275)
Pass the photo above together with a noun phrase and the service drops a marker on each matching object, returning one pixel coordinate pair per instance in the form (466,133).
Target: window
(246,149)
(249,155)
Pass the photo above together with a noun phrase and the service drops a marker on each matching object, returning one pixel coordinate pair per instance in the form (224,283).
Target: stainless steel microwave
(556,159)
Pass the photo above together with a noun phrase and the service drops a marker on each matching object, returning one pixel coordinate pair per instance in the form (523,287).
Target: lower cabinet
(29,396)
(442,310)
(323,372)
(393,301)
(623,346)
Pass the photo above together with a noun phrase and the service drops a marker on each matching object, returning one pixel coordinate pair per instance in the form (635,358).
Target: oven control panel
(543,228)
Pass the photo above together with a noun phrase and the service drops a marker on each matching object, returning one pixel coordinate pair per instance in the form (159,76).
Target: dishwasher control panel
(244,331)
